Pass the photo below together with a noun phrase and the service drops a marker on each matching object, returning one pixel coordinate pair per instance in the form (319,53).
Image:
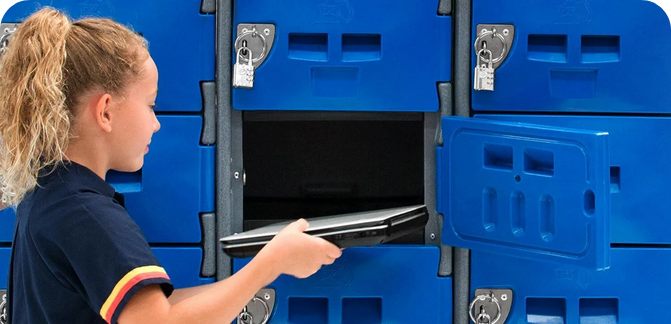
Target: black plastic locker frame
(462,107)
(228,203)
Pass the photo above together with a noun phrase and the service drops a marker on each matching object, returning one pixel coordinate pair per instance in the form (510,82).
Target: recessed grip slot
(308,47)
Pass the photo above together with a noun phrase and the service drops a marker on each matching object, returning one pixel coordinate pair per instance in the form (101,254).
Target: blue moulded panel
(578,55)
(550,293)
(7,220)
(175,184)
(182,265)
(181,40)
(346,55)
(639,172)
(525,190)
(383,284)
(5,254)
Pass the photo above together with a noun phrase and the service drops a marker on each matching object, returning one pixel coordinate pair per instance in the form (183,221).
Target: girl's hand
(295,253)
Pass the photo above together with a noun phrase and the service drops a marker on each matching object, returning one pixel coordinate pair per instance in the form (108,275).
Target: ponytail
(34,121)
(48,64)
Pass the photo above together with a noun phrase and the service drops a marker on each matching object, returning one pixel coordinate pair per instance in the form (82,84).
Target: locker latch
(491,306)
(258,310)
(491,48)
(496,38)
(252,47)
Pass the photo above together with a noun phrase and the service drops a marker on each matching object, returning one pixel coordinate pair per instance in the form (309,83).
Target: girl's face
(136,121)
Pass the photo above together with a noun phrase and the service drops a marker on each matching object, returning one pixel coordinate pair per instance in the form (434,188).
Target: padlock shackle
(249,61)
(490,64)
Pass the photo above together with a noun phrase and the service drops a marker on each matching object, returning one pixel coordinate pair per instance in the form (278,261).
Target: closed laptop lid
(327,223)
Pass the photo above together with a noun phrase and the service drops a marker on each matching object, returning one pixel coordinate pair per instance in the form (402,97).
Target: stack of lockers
(556,183)
(172,196)
(336,122)
(577,65)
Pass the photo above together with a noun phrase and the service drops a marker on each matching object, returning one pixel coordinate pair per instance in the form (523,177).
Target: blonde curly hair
(49,64)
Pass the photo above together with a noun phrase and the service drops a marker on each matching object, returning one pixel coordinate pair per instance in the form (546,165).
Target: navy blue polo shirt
(78,256)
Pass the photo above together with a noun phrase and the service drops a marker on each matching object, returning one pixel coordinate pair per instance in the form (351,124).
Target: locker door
(525,190)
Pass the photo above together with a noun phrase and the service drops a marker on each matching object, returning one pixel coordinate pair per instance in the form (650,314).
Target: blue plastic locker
(578,56)
(351,56)
(555,293)
(344,55)
(181,40)
(175,185)
(356,289)
(573,65)
(560,204)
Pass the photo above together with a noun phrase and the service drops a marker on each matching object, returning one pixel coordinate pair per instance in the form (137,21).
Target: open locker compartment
(381,158)
(307,165)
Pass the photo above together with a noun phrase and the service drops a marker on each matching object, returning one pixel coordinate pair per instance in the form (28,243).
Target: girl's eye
(152,107)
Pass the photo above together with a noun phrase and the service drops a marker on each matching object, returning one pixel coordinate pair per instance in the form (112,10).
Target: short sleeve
(98,250)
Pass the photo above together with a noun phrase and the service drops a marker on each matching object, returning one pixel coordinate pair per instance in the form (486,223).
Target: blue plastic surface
(578,55)
(182,265)
(5,254)
(383,284)
(525,190)
(175,184)
(348,55)
(181,40)
(640,174)
(7,220)
(548,293)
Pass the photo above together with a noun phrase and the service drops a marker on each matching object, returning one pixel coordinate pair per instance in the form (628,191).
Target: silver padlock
(484,74)
(243,74)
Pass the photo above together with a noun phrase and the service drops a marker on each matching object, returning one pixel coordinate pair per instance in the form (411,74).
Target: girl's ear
(102,109)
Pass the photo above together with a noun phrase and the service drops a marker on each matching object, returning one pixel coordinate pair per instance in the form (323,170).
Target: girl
(76,100)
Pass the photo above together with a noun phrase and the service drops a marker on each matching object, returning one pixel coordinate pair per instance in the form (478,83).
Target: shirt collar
(78,174)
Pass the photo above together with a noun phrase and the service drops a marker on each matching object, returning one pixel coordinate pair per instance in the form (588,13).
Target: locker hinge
(208,91)
(444,7)
(208,7)
(208,267)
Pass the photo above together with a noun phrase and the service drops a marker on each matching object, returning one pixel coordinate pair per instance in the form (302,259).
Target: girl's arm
(291,252)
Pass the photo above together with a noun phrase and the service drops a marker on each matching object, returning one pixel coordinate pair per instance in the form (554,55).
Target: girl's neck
(87,156)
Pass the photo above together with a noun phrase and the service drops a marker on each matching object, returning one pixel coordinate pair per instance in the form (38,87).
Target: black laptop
(347,230)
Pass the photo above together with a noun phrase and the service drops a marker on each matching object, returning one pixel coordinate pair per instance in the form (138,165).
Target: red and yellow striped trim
(125,284)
